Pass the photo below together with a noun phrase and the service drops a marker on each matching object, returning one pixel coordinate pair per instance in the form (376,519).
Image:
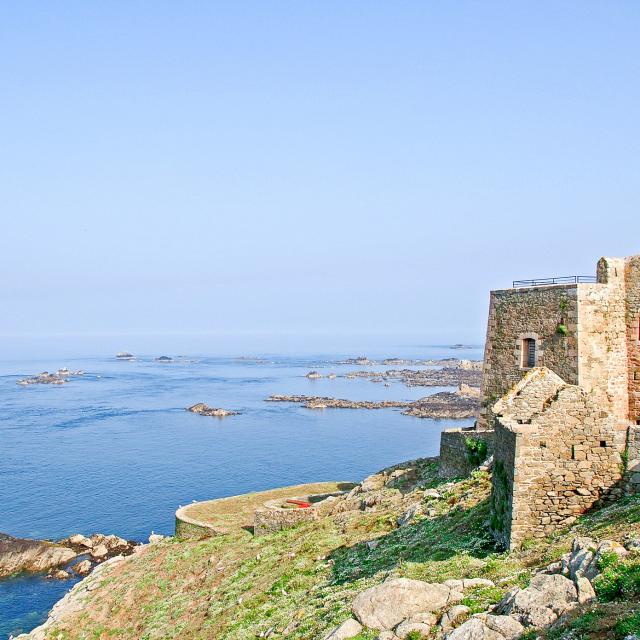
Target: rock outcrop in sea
(18,555)
(61,376)
(463,403)
(205,410)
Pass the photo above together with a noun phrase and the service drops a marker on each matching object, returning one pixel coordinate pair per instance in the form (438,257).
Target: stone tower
(561,397)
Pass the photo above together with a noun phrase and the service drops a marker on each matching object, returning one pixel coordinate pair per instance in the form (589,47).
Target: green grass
(619,580)
(630,625)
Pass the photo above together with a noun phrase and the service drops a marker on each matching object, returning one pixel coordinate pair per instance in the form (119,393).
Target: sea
(115,451)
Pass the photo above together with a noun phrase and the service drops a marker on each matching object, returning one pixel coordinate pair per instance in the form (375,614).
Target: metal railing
(541,282)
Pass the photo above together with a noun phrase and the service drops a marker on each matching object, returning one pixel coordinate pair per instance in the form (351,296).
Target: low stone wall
(455,458)
(190,529)
(633,460)
(273,516)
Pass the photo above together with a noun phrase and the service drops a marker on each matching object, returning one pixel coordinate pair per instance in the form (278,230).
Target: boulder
(348,629)
(454,616)
(373,483)
(506,626)
(100,552)
(59,574)
(78,540)
(389,635)
(419,622)
(610,546)
(540,604)
(116,544)
(82,568)
(581,556)
(474,629)
(406,627)
(633,545)
(586,593)
(155,537)
(487,627)
(386,605)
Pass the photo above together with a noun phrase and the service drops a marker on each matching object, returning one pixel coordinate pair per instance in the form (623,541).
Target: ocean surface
(114,451)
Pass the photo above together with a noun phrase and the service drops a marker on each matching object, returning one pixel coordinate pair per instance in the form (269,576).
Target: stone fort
(560,400)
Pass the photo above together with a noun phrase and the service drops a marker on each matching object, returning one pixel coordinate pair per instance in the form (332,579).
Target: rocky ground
(403,555)
(19,555)
(205,410)
(463,403)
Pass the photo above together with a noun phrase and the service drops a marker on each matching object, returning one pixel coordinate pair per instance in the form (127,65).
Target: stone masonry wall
(633,460)
(632,287)
(602,348)
(502,478)
(529,312)
(549,471)
(272,517)
(455,460)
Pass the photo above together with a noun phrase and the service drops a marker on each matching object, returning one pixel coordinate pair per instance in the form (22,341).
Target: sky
(307,168)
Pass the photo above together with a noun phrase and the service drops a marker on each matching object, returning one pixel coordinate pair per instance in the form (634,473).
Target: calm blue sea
(115,451)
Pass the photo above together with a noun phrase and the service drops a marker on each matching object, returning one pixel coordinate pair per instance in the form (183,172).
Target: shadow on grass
(461,530)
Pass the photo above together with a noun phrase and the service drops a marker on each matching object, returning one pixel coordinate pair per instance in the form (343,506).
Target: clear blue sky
(308,167)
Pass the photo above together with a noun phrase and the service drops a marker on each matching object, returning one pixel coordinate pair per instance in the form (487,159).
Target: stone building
(560,399)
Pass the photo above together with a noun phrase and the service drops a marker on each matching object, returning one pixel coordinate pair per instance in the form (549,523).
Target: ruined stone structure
(561,398)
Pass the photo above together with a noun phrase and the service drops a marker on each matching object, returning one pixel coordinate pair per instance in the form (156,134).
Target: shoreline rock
(24,555)
(19,555)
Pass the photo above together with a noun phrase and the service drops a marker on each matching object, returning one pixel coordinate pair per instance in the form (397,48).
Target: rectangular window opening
(543,444)
(573,452)
(528,353)
(603,443)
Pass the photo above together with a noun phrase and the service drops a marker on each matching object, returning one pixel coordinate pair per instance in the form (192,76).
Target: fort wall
(632,317)
(553,465)
(516,314)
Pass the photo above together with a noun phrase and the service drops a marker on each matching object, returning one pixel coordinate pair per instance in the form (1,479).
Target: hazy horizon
(347,169)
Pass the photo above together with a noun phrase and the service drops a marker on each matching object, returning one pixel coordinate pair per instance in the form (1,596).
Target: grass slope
(300,583)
